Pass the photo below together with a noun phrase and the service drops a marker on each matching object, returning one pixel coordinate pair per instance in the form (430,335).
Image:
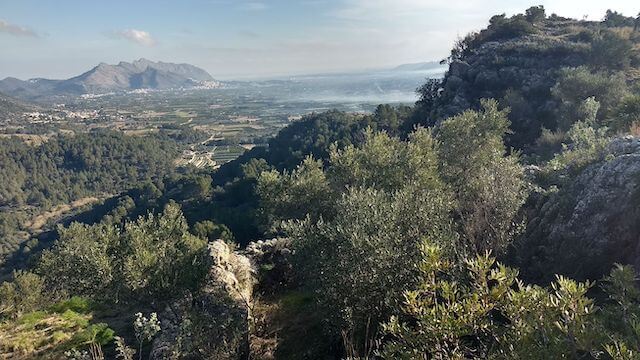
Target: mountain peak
(140,74)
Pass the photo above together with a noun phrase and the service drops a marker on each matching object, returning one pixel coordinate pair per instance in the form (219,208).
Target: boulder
(214,323)
(586,226)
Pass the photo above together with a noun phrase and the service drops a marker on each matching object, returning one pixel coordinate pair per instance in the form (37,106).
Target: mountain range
(140,74)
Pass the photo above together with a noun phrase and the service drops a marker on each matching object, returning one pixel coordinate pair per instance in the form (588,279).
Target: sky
(236,39)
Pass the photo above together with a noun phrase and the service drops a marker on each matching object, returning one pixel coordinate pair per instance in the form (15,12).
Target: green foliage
(160,256)
(488,184)
(99,334)
(576,85)
(76,304)
(70,167)
(211,231)
(610,51)
(616,19)
(503,28)
(41,334)
(24,294)
(369,248)
(367,244)
(386,198)
(80,262)
(390,119)
(535,14)
(296,195)
(626,114)
(484,311)
(385,163)
(153,256)
(587,145)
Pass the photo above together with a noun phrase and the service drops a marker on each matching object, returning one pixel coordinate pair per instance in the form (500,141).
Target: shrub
(535,14)
(575,85)
(615,19)
(587,145)
(610,51)
(388,195)
(155,255)
(24,294)
(626,114)
(488,184)
(75,303)
(484,311)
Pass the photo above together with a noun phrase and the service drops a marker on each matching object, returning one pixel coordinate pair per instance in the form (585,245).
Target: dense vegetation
(410,233)
(70,167)
(66,169)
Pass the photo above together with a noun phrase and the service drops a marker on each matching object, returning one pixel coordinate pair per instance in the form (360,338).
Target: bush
(153,256)
(626,114)
(488,184)
(76,304)
(587,144)
(24,294)
(484,311)
(388,195)
(610,51)
(615,19)
(575,85)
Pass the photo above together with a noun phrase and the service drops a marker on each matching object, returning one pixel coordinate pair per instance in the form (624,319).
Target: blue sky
(247,38)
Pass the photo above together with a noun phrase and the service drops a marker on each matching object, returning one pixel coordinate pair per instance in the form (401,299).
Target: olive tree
(488,183)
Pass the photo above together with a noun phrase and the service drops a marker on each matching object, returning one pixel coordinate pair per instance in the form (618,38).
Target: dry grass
(39,335)
(634,129)
(36,224)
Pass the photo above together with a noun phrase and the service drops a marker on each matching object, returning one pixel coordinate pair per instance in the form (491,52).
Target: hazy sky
(241,38)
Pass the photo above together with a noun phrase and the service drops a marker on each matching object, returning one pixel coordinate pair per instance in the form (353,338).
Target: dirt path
(38,222)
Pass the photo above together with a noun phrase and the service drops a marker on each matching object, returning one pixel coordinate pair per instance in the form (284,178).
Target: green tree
(211,231)
(386,163)
(575,85)
(296,195)
(24,294)
(488,183)
(160,255)
(81,262)
(388,195)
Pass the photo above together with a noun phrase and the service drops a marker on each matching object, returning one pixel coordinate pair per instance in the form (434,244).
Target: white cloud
(16,30)
(139,37)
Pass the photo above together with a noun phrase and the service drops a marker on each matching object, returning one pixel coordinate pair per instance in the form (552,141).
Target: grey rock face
(213,324)
(592,223)
(527,65)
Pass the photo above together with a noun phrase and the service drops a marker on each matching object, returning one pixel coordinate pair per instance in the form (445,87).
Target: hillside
(497,218)
(10,107)
(140,74)
(519,61)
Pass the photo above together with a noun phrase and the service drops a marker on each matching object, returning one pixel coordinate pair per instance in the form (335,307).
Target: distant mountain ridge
(140,74)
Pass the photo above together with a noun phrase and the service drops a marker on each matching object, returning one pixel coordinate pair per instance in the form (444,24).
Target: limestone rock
(213,324)
(592,222)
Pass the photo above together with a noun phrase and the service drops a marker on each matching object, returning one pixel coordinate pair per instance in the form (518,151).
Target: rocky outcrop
(518,68)
(591,223)
(213,324)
